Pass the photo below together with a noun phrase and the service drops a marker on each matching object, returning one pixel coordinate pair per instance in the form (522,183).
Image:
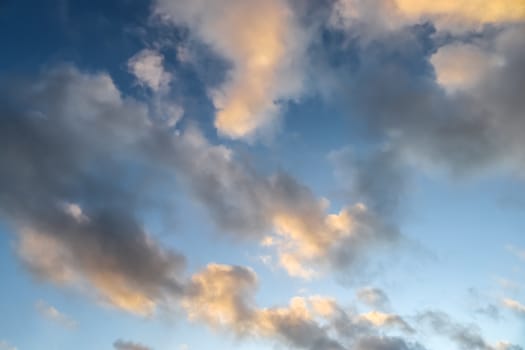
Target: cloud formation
(466,132)
(6,346)
(222,297)
(55,315)
(373,297)
(148,67)
(380,16)
(515,306)
(264,45)
(74,151)
(466,337)
(66,139)
(277,210)
(127,345)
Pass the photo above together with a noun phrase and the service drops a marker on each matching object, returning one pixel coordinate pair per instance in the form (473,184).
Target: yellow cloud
(306,238)
(461,66)
(480,11)
(450,15)
(514,305)
(380,319)
(218,295)
(262,42)
(118,292)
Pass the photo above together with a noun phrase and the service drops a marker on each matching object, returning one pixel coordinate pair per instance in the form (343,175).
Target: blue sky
(322,175)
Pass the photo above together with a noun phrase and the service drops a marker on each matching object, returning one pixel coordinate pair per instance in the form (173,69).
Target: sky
(262,174)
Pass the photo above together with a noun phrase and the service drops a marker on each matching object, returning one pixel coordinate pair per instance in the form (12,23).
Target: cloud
(461,66)
(74,207)
(383,319)
(55,315)
(378,178)
(71,199)
(465,336)
(373,297)
(220,296)
(148,67)
(127,345)
(374,18)
(468,11)
(264,45)
(520,253)
(277,210)
(471,131)
(385,343)
(515,306)
(489,310)
(6,346)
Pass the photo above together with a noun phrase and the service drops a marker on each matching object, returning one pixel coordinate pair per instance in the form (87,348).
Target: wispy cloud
(6,346)
(373,297)
(520,253)
(515,306)
(53,314)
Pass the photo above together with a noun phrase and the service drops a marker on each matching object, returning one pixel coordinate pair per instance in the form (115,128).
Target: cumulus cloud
(222,297)
(127,345)
(383,319)
(265,46)
(55,315)
(461,66)
(470,131)
(277,210)
(66,140)
(148,67)
(74,207)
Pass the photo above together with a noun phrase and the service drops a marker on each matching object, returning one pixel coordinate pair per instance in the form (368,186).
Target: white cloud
(148,67)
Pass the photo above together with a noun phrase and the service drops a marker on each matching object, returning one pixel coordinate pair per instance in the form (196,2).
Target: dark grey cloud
(385,343)
(390,85)
(75,172)
(465,336)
